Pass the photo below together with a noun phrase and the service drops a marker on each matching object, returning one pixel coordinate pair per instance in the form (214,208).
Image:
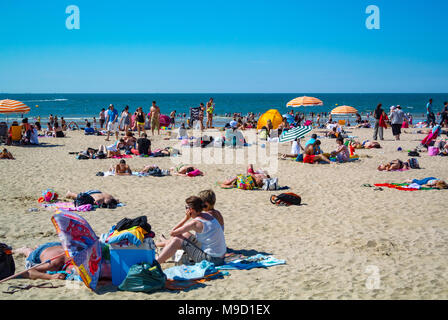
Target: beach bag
(245,182)
(84,198)
(7,266)
(286,199)
(270,184)
(413,154)
(144,277)
(433,151)
(413,163)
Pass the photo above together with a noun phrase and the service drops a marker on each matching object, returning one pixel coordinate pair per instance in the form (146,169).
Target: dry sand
(333,244)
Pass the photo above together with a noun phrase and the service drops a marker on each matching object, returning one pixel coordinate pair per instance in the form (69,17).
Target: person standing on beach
(430,118)
(210,109)
(155,118)
(173,119)
(377,116)
(112,121)
(444,115)
(140,119)
(396,119)
(102,117)
(125,119)
(201,115)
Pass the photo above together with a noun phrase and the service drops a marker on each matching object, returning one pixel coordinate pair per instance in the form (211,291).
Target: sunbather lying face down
(184,170)
(394,165)
(102,199)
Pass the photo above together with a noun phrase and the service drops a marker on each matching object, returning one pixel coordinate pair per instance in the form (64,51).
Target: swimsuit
(308,158)
(34,257)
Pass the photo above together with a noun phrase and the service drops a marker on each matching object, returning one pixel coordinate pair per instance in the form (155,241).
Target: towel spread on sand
(59,207)
(403,186)
(247,263)
(191,272)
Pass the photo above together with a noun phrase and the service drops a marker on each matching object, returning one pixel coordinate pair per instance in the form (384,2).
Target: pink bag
(433,151)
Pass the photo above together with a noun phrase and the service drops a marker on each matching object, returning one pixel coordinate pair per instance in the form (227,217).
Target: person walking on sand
(377,128)
(430,117)
(112,121)
(140,120)
(210,108)
(396,119)
(155,118)
(125,119)
(172,119)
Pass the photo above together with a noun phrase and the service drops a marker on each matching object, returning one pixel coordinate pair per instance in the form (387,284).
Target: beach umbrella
(273,115)
(81,245)
(12,106)
(304,102)
(164,120)
(294,133)
(344,110)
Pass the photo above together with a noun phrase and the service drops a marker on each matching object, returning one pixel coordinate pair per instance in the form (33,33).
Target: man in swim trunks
(155,118)
(311,157)
(41,254)
(102,199)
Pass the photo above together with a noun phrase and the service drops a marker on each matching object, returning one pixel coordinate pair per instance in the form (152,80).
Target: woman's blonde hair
(441,185)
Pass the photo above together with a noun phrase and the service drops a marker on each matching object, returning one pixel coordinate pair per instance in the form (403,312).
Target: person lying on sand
(114,149)
(394,165)
(365,144)
(102,199)
(257,177)
(184,170)
(41,254)
(207,244)
(429,182)
(5,154)
(121,169)
(311,156)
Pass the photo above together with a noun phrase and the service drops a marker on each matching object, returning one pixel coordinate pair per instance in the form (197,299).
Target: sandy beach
(342,234)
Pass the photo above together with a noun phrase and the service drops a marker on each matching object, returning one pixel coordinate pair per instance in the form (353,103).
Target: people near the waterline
(63,124)
(310,155)
(43,253)
(101,199)
(341,153)
(57,131)
(210,108)
(201,115)
(430,117)
(444,115)
(140,119)
(429,182)
(143,145)
(112,122)
(396,117)
(172,119)
(208,242)
(378,129)
(102,117)
(394,165)
(256,177)
(125,119)
(155,118)
(5,154)
(121,169)
(185,171)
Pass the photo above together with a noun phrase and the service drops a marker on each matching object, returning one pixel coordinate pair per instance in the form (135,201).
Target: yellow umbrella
(344,110)
(13,106)
(304,101)
(273,115)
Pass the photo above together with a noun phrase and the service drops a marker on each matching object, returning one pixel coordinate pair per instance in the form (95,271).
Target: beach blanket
(247,263)
(59,207)
(122,156)
(191,272)
(403,186)
(136,174)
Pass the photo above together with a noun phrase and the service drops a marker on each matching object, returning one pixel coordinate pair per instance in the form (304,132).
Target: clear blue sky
(223,46)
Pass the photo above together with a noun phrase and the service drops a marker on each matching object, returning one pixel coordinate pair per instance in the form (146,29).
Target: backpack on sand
(286,199)
(7,266)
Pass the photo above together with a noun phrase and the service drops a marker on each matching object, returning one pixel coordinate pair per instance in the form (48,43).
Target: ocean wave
(45,100)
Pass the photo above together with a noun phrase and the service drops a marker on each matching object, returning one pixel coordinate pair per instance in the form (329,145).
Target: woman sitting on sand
(208,242)
(394,165)
(429,182)
(341,153)
(5,154)
(57,131)
(114,149)
(121,169)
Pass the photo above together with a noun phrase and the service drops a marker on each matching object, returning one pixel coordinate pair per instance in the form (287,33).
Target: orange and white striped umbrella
(13,106)
(304,101)
(344,110)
